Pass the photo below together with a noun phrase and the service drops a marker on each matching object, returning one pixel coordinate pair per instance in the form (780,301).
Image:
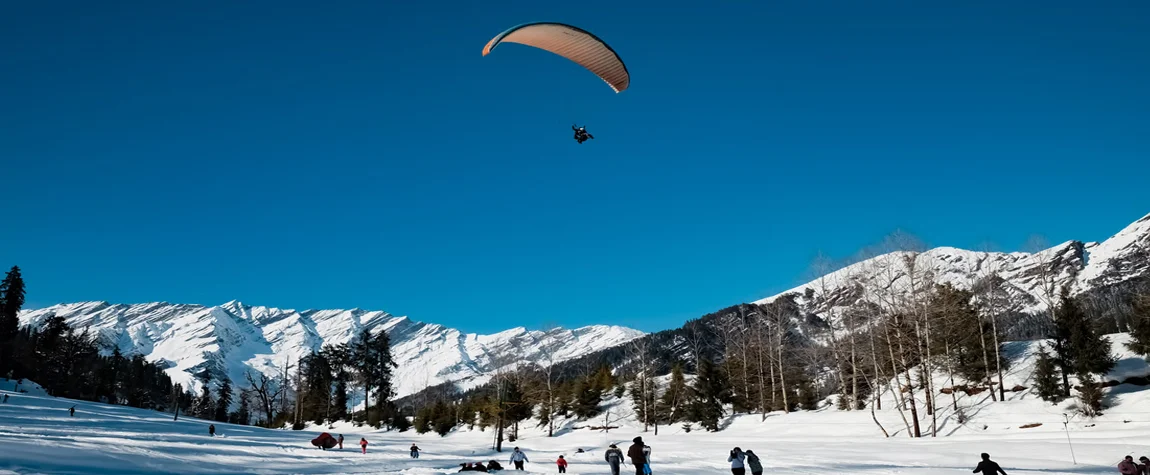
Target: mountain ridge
(229,339)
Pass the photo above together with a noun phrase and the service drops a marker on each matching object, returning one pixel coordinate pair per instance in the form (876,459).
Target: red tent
(324,441)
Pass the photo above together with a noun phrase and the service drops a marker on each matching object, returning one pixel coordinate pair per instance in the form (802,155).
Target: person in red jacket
(363,443)
(562,463)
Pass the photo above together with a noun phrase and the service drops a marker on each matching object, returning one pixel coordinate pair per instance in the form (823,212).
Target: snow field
(39,437)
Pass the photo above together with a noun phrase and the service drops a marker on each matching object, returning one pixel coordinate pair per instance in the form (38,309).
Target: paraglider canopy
(573,43)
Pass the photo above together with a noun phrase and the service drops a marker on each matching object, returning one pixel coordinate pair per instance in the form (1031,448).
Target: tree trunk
(900,401)
(782,375)
(986,359)
(875,417)
(997,356)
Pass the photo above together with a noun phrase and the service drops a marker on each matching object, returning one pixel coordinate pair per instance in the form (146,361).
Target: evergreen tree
(399,422)
(243,414)
(339,358)
(588,395)
(11,300)
(1140,326)
(1089,395)
(204,407)
(424,419)
(444,416)
(12,295)
(710,389)
(643,399)
(808,397)
(1080,348)
(1046,377)
(374,363)
(672,401)
(224,401)
(316,391)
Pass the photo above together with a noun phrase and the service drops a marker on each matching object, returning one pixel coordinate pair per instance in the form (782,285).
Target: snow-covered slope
(230,339)
(1032,280)
(1023,433)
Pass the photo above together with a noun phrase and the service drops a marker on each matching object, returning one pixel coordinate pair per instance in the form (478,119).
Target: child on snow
(562,463)
(363,443)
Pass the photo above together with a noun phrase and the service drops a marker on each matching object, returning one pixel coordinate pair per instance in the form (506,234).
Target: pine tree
(1140,326)
(224,401)
(710,389)
(808,397)
(1089,395)
(1046,377)
(1080,348)
(444,416)
(587,398)
(374,363)
(672,401)
(424,418)
(243,414)
(204,407)
(11,300)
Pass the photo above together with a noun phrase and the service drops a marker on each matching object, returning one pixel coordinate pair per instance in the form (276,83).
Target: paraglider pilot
(581,134)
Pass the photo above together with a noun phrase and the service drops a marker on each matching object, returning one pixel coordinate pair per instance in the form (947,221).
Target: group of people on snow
(1128,467)
(492,466)
(742,460)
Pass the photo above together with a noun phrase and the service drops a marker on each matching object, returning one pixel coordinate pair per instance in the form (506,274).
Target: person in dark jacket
(212,430)
(614,458)
(638,454)
(754,463)
(72,411)
(1143,465)
(988,467)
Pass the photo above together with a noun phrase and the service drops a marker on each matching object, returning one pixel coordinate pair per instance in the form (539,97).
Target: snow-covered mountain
(233,338)
(1031,280)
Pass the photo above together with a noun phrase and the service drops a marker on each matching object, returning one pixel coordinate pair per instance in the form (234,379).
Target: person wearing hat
(638,452)
(614,458)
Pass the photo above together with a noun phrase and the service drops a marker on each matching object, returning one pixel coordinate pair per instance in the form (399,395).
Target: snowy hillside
(230,339)
(40,437)
(1031,280)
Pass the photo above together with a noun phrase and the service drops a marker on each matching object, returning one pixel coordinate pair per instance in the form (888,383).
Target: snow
(1081,266)
(233,338)
(39,437)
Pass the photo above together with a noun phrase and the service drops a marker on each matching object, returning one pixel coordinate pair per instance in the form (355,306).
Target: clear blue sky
(364,154)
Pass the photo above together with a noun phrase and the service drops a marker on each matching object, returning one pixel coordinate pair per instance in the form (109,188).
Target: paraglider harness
(581,134)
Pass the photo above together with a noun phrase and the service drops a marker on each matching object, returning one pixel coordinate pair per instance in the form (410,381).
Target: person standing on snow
(72,411)
(363,443)
(212,430)
(614,458)
(340,441)
(988,467)
(754,463)
(414,451)
(1127,466)
(736,458)
(640,455)
(517,458)
(562,463)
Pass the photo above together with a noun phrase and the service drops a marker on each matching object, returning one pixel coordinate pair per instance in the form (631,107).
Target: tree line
(67,362)
(70,363)
(887,330)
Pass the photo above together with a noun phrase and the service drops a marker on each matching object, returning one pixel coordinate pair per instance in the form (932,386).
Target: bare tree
(639,351)
(266,391)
